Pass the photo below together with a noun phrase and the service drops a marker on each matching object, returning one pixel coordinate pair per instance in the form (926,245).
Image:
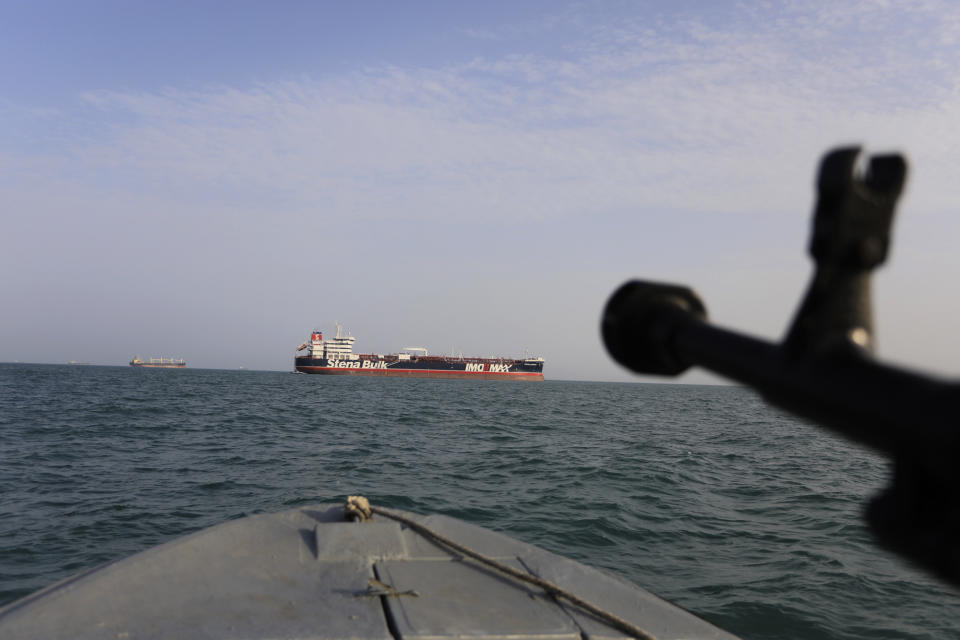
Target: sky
(212,182)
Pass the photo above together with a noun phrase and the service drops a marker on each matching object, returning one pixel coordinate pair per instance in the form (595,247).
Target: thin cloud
(727,110)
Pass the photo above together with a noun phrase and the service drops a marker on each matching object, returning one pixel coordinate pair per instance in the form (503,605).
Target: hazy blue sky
(214,180)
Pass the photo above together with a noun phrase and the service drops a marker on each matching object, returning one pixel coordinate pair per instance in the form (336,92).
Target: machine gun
(824,369)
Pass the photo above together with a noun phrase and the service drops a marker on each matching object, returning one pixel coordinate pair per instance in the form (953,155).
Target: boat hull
(306,573)
(147,365)
(434,367)
(412,373)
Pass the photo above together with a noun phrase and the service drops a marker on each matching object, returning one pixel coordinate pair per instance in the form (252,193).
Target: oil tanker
(335,356)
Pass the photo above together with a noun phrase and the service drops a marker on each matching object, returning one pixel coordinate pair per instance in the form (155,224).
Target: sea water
(704,495)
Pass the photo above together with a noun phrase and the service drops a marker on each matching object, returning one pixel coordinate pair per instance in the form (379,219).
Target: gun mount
(824,369)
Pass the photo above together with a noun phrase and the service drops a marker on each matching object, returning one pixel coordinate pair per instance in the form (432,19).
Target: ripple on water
(701,494)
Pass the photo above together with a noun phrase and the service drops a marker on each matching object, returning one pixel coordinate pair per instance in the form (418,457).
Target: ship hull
(160,366)
(423,368)
(147,365)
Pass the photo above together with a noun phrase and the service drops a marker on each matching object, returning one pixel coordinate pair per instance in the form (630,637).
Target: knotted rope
(358,508)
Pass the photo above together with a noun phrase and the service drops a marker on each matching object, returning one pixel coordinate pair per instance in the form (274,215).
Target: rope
(359,508)
(377,588)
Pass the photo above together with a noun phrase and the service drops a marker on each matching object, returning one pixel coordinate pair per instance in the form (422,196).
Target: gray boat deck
(305,573)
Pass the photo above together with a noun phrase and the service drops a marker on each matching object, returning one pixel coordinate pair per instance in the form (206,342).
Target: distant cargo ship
(335,356)
(159,363)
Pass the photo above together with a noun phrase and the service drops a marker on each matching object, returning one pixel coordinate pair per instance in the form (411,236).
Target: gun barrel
(823,370)
(655,328)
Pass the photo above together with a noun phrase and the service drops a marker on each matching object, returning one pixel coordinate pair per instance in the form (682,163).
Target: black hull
(423,367)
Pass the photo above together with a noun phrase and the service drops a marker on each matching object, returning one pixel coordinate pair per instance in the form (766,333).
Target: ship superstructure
(335,356)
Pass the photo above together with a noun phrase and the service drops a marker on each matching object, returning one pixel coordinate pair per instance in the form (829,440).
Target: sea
(704,495)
